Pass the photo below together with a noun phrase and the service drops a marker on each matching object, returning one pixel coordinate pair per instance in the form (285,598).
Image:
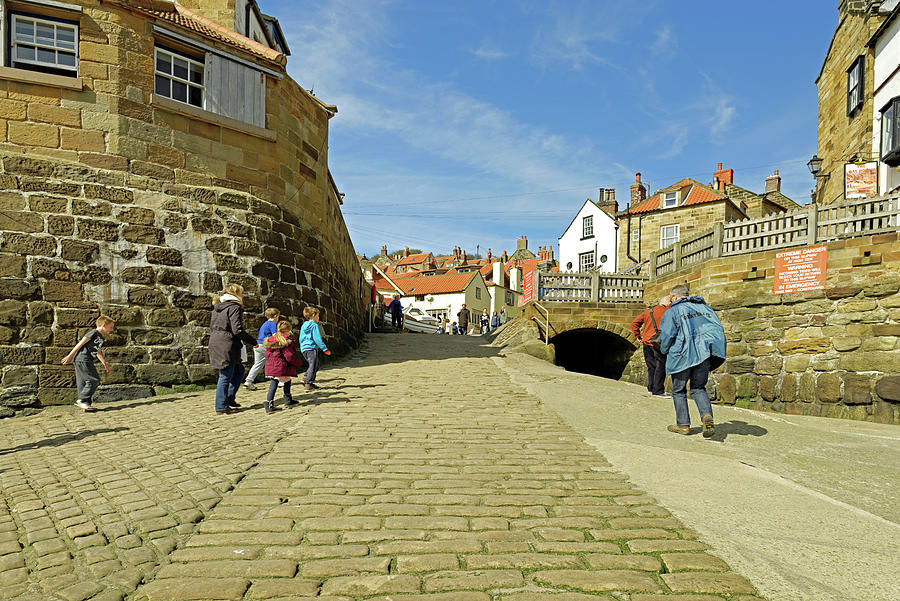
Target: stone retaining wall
(77,241)
(833,353)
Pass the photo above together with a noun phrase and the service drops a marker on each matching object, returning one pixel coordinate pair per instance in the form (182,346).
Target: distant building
(688,207)
(590,241)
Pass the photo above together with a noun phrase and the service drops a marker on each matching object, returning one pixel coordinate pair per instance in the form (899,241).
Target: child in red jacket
(282,361)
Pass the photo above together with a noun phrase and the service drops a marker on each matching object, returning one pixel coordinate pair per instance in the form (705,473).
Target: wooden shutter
(235,90)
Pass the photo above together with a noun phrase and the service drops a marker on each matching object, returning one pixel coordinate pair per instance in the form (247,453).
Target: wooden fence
(803,227)
(592,287)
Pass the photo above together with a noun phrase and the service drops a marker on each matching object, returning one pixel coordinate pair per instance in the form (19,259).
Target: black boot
(289,401)
(270,407)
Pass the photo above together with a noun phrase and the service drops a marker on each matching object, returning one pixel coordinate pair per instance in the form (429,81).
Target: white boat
(414,325)
(421,316)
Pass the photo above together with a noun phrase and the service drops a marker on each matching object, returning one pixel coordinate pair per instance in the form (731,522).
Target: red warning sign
(801,270)
(527,288)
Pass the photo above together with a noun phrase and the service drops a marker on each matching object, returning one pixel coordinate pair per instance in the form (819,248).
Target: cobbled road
(418,472)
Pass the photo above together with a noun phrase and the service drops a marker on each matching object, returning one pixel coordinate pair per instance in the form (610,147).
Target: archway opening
(593,351)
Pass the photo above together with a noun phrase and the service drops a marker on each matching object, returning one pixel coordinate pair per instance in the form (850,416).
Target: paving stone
(370,584)
(325,568)
(553,596)
(426,563)
(283,587)
(254,568)
(678,562)
(473,580)
(623,562)
(599,580)
(522,561)
(199,589)
(81,591)
(708,582)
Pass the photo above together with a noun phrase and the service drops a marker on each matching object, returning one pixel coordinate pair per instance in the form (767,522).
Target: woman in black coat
(226,337)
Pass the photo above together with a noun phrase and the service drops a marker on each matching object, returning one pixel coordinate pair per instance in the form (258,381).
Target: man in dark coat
(226,336)
(463,317)
(396,312)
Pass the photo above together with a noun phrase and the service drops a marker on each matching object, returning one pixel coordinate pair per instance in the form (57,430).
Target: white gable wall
(887,82)
(603,241)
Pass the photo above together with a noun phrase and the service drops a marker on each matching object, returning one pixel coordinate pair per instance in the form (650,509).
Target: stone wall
(78,241)
(832,353)
(113,201)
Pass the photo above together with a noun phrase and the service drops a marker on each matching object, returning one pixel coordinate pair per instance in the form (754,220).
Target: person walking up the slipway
(88,348)
(396,312)
(259,352)
(693,340)
(463,317)
(310,343)
(644,327)
(226,339)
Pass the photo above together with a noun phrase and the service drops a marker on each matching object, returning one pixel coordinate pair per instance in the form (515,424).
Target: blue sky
(472,123)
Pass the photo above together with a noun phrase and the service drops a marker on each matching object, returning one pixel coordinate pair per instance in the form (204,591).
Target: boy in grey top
(86,377)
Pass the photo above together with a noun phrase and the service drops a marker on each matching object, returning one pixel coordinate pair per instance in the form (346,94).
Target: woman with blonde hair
(226,339)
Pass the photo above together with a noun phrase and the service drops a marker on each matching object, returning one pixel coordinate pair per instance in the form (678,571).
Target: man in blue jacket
(396,312)
(693,340)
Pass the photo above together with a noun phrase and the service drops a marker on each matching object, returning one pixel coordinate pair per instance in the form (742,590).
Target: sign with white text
(801,270)
(527,288)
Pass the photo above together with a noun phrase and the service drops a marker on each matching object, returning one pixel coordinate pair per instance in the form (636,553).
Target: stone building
(151,154)
(688,207)
(846,93)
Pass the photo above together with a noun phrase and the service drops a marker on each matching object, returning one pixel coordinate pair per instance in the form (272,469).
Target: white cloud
(723,113)
(491,54)
(665,42)
(465,147)
(675,139)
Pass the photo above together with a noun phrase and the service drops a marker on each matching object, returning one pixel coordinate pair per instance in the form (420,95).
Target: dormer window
(670,199)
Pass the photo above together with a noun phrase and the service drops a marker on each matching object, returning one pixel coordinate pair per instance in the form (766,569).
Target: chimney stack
(504,257)
(522,243)
(406,251)
(721,177)
(609,204)
(497,271)
(638,190)
(383,250)
(489,255)
(773,182)
(462,257)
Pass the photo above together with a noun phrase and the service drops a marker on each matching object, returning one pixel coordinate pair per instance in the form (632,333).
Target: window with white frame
(587,226)
(43,44)
(635,235)
(586,261)
(890,133)
(178,76)
(670,199)
(668,235)
(855,84)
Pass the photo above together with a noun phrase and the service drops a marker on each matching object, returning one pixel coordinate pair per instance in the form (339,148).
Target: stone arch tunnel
(594,351)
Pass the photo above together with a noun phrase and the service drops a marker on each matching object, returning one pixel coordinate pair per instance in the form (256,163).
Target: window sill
(41,79)
(173,106)
(587,237)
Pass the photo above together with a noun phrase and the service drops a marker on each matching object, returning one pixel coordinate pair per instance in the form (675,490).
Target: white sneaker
(249,386)
(83,405)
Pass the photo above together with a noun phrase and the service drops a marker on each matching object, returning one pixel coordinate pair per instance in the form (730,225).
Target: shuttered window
(235,90)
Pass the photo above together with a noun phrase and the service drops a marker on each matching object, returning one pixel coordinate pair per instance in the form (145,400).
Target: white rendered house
(591,240)
(886,107)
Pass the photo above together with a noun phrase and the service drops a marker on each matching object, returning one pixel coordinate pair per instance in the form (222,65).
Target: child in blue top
(310,343)
(259,353)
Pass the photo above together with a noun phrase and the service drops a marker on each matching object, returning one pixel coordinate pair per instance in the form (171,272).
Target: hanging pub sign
(801,270)
(861,180)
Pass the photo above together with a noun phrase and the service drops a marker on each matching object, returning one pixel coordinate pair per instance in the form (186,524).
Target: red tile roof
(436,284)
(696,194)
(414,259)
(187,19)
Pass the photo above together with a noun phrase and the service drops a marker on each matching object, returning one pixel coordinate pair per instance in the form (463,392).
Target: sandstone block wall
(111,202)
(843,136)
(77,242)
(832,353)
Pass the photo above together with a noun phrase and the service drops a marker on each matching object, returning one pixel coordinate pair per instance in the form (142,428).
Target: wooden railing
(802,227)
(590,287)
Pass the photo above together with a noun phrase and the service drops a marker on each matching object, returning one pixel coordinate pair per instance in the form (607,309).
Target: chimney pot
(719,168)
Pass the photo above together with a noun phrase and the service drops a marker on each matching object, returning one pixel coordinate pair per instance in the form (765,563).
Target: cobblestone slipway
(418,472)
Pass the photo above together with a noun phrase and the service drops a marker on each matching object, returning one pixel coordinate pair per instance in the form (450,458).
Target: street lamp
(815,167)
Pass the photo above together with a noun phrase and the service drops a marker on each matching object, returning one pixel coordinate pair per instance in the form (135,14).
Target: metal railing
(545,325)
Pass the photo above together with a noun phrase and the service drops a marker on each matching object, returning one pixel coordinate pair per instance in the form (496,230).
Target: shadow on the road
(148,401)
(427,347)
(738,428)
(61,439)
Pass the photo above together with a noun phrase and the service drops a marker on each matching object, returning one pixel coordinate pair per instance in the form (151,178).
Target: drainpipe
(628,243)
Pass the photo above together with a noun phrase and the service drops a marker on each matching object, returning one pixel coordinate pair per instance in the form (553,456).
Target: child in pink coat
(282,361)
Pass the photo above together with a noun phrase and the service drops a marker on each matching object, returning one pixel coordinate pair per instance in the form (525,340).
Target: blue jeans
(698,375)
(226,388)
